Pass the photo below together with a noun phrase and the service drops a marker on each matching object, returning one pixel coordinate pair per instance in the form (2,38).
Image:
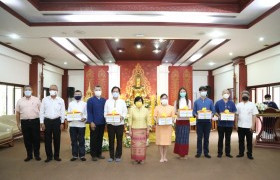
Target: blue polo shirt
(95,110)
(199,104)
(220,107)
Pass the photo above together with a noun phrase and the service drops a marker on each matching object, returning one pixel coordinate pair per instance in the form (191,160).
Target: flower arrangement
(127,141)
(261,106)
(105,145)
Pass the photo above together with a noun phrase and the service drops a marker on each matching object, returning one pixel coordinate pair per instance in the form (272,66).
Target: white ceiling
(35,40)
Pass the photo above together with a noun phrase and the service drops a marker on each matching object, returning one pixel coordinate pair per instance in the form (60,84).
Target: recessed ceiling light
(166,61)
(230,53)
(120,50)
(195,57)
(211,63)
(65,63)
(117,40)
(138,45)
(161,40)
(261,38)
(110,61)
(82,57)
(65,43)
(14,36)
(156,45)
(156,51)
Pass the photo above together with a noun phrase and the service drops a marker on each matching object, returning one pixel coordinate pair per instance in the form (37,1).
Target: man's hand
(43,126)
(61,127)
(92,126)
(253,128)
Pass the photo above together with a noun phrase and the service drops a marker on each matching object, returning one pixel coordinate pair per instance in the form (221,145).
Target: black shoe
(230,156)
(73,159)
(94,159)
(197,155)
(207,156)
(101,157)
(83,159)
(219,155)
(240,155)
(57,159)
(250,157)
(38,158)
(48,160)
(28,159)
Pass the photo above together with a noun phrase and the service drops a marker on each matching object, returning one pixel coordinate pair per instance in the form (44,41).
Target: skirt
(163,135)
(182,132)
(138,144)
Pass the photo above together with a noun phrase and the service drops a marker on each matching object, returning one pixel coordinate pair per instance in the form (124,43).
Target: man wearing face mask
(27,115)
(203,126)
(95,109)
(246,116)
(270,103)
(224,127)
(117,105)
(52,116)
(77,128)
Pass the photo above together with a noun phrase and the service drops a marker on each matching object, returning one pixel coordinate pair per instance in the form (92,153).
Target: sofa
(6,135)
(10,120)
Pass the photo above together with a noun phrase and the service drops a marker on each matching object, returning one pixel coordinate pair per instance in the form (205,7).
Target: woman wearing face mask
(224,127)
(182,125)
(139,130)
(163,132)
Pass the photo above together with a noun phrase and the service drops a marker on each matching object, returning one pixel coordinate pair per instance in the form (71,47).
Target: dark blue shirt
(220,107)
(271,104)
(199,104)
(95,110)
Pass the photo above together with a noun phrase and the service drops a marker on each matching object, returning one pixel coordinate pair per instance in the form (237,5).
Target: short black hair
(27,86)
(138,98)
(116,87)
(202,88)
(78,91)
(267,96)
(163,95)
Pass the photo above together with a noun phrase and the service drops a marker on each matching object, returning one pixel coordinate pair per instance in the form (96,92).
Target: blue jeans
(77,135)
(203,132)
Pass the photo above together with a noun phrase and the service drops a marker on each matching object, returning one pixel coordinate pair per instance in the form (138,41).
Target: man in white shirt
(117,105)
(246,116)
(52,115)
(77,128)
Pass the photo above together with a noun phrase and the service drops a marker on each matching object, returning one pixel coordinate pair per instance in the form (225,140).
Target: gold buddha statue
(137,89)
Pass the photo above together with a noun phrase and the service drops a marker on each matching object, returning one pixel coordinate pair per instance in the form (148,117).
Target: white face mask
(226,96)
(203,93)
(115,94)
(98,93)
(53,93)
(164,102)
(27,93)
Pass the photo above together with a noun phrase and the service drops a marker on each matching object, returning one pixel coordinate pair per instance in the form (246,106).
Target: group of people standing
(32,115)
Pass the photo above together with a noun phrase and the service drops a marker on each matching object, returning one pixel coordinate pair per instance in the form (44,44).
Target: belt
(52,119)
(30,119)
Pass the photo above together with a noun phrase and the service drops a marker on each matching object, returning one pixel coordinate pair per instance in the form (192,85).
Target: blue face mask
(183,94)
(78,97)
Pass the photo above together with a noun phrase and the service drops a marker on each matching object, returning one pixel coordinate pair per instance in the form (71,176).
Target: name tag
(165,121)
(227,116)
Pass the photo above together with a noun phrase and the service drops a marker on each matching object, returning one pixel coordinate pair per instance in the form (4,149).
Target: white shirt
(119,106)
(183,103)
(245,113)
(79,106)
(52,109)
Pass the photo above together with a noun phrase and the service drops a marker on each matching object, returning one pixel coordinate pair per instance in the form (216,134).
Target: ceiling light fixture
(82,57)
(138,45)
(120,50)
(156,45)
(211,63)
(195,57)
(230,53)
(216,41)
(156,51)
(117,40)
(110,61)
(65,43)
(161,40)
(14,36)
(261,39)
(65,63)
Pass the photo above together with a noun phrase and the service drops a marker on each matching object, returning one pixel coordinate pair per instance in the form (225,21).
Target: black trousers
(77,135)
(242,133)
(52,132)
(115,131)
(224,132)
(31,136)
(96,140)
(203,132)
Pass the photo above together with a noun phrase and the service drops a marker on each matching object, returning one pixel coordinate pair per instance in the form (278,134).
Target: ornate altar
(269,133)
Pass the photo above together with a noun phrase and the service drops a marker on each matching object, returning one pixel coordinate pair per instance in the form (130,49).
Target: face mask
(203,93)
(115,94)
(97,93)
(138,104)
(53,93)
(226,96)
(245,98)
(27,93)
(78,97)
(183,94)
(164,102)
